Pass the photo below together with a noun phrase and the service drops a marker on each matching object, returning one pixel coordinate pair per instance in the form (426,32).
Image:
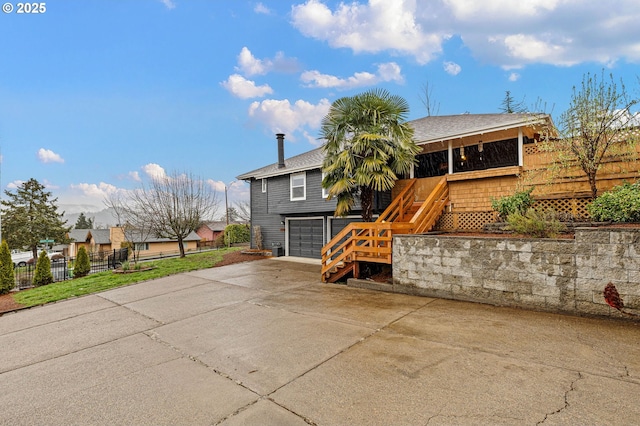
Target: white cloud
(514,76)
(169,4)
(249,65)
(374,27)
(281,117)
(533,49)
(452,68)
(386,72)
(262,9)
(474,10)
(242,88)
(154,171)
(15,184)
(48,156)
(216,185)
(97,191)
(135,176)
(507,33)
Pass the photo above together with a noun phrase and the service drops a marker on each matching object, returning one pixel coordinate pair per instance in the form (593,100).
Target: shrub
(519,202)
(220,241)
(42,274)
(7,278)
(82,266)
(237,233)
(536,223)
(621,204)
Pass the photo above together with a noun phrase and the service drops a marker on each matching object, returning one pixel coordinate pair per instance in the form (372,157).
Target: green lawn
(105,280)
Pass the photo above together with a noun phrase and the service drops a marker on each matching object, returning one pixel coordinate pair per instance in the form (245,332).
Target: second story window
(325,191)
(298,186)
(264,185)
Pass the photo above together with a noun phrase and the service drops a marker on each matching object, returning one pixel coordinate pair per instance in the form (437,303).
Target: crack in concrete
(572,388)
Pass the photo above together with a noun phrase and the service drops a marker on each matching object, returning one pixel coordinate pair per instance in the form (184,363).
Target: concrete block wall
(558,275)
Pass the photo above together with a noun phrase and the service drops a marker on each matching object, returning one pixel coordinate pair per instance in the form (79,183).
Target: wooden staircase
(371,241)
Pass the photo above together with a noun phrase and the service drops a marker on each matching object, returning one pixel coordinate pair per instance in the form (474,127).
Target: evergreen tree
(82,265)
(510,106)
(7,278)
(30,215)
(84,222)
(42,274)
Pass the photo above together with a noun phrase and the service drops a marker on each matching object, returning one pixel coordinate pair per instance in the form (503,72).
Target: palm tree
(368,144)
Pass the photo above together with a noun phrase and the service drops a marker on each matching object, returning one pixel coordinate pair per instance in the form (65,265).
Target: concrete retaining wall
(544,274)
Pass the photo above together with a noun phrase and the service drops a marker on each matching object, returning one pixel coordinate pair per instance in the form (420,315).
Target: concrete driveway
(265,343)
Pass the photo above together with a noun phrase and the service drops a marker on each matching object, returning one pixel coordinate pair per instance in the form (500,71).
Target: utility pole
(226,206)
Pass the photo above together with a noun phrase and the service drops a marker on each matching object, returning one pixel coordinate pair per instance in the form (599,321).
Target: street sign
(46,241)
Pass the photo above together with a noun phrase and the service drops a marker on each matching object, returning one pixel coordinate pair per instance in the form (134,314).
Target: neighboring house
(290,206)
(93,240)
(151,245)
(466,161)
(100,240)
(211,230)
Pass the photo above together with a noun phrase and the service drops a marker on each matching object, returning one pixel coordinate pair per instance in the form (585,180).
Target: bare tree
(135,228)
(433,107)
(172,206)
(598,126)
(243,211)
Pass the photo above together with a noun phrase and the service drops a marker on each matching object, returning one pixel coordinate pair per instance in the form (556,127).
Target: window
(493,155)
(264,185)
(431,164)
(141,246)
(325,192)
(298,186)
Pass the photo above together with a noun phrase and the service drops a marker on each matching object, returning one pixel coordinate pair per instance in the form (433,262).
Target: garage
(306,237)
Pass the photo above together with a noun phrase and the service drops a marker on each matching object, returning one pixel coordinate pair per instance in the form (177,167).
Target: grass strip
(102,281)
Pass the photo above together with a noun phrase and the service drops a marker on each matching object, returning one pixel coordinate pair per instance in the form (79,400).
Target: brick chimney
(280,138)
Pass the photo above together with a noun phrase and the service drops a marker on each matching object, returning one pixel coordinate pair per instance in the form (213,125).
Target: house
(101,240)
(291,208)
(466,161)
(211,230)
(93,240)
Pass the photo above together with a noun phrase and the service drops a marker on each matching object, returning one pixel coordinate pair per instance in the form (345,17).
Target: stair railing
(431,209)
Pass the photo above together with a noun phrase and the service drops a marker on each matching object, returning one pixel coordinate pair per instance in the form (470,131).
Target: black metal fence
(62,269)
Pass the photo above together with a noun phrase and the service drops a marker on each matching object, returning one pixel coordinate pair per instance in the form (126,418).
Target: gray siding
(270,209)
(272,230)
(279,188)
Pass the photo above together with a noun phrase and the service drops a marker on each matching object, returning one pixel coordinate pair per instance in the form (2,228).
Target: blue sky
(97,95)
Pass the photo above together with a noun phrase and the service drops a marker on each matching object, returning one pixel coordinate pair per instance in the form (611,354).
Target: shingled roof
(445,127)
(426,130)
(306,161)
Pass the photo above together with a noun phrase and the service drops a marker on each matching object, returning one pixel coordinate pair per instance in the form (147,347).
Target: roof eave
(490,129)
(279,172)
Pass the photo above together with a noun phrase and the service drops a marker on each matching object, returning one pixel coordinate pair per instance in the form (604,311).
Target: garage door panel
(306,237)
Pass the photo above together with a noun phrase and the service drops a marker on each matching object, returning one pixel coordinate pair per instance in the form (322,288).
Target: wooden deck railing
(400,205)
(371,241)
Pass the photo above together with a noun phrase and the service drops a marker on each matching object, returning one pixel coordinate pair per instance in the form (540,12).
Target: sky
(98,96)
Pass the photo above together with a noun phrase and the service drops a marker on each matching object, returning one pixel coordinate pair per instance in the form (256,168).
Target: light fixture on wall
(480,146)
(462,156)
